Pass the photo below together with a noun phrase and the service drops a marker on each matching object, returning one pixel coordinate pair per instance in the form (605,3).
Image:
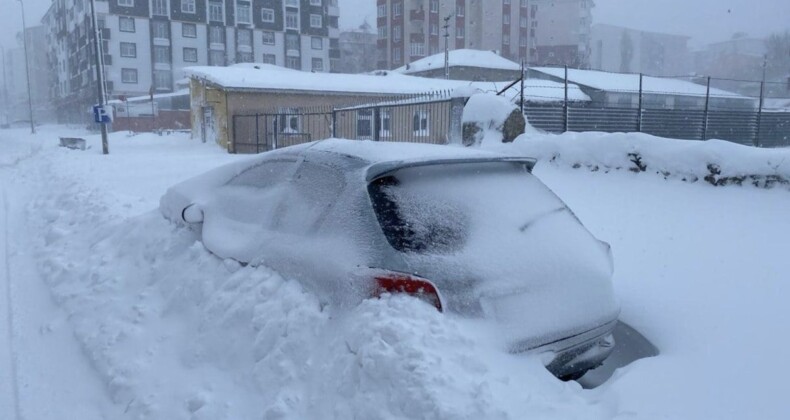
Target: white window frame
(265,35)
(192,34)
(313,62)
(215,11)
(267,15)
(291,23)
(423,126)
(160,24)
(315,2)
(128,49)
(316,21)
(191,50)
(125,72)
(316,40)
(122,19)
(243,12)
(188,6)
(160,8)
(126,3)
(381,10)
(273,56)
(238,37)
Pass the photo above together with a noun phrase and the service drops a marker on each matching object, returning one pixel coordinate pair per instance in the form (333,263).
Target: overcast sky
(704,20)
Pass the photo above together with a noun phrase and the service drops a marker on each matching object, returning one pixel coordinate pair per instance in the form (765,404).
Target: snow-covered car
(472,232)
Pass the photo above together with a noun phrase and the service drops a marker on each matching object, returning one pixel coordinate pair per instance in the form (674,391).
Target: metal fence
(749,117)
(433,117)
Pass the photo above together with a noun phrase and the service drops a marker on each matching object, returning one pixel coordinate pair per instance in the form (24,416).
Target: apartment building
(541,32)
(626,50)
(147,43)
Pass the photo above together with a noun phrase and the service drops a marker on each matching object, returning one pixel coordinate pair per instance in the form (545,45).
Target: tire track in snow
(12,355)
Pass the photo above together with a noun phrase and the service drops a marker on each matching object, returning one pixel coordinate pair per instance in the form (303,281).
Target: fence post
(334,123)
(707,109)
(639,117)
(565,103)
(274,137)
(456,129)
(376,123)
(257,135)
(757,133)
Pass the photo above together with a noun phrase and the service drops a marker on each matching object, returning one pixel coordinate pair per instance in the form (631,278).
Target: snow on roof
(620,82)
(461,58)
(147,98)
(268,77)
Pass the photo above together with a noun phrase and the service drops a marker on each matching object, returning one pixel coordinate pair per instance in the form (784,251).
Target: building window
(128,49)
(268,37)
(382,10)
(216,35)
(396,33)
(292,3)
(162,79)
(216,58)
(243,12)
(270,59)
(459,10)
(190,55)
(434,6)
(397,9)
(244,38)
(127,3)
(506,39)
(291,19)
(244,57)
(318,64)
(316,21)
(267,15)
(160,29)
(315,2)
(161,54)
(420,123)
(523,22)
(129,75)
(317,43)
(215,11)
(159,7)
(292,43)
(189,30)
(364,124)
(188,6)
(434,29)
(417,49)
(385,122)
(459,32)
(383,31)
(506,19)
(396,55)
(293,63)
(125,24)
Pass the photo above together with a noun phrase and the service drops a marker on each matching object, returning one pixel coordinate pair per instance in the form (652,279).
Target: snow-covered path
(43,372)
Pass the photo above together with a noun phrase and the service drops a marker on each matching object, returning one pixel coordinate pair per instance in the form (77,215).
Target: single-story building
(465,64)
(237,106)
(622,90)
(163,111)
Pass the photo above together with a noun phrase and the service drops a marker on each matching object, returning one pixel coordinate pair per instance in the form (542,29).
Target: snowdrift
(716,162)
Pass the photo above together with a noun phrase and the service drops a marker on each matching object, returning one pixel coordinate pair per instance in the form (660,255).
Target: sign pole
(99,76)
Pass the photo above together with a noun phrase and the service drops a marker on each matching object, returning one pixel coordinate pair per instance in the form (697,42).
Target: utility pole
(27,70)
(447,46)
(99,75)
(5,87)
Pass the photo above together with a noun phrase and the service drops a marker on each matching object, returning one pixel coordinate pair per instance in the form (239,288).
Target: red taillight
(410,285)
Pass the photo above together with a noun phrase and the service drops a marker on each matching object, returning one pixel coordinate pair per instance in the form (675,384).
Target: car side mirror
(192,214)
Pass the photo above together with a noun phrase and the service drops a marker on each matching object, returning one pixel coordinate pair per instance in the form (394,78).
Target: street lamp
(27,70)
(5,87)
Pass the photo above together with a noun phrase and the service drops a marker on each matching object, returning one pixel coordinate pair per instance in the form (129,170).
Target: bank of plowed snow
(174,332)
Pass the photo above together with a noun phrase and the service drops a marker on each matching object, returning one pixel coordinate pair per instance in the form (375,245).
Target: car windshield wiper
(526,226)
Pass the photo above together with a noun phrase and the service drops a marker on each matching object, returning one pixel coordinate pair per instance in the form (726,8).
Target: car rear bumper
(572,356)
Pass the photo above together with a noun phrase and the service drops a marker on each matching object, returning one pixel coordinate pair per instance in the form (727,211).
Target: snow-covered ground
(116,313)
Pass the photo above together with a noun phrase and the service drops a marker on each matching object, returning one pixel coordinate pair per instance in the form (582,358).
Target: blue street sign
(100,115)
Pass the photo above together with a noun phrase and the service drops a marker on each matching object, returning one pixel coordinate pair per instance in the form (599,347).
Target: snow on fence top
(268,77)
(461,58)
(619,82)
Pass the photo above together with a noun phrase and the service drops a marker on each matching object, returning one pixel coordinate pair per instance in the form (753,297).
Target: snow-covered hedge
(714,161)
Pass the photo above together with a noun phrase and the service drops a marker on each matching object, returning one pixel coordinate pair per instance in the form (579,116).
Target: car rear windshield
(437,209)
